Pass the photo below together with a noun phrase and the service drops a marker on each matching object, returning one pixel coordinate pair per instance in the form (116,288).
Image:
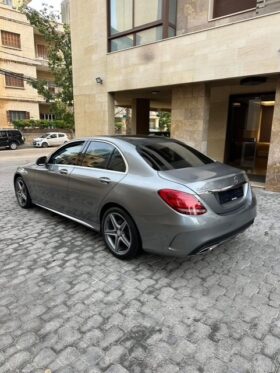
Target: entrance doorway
(248,133)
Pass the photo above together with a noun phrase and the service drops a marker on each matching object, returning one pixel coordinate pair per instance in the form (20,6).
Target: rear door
(102,168)
(53,139)
(50,187)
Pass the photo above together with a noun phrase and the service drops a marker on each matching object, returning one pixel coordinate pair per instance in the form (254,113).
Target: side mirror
(41,161)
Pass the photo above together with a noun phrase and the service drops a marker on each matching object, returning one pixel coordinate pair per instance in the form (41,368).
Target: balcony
(42,57)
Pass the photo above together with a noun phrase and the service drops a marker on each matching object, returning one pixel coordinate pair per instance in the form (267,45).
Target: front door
(102,168)
(3,138)
(50,188)
(249,132)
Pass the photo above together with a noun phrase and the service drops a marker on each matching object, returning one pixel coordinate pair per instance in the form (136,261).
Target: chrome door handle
(63,171)
(104,180)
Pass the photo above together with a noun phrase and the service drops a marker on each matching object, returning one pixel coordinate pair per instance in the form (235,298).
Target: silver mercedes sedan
(150,193)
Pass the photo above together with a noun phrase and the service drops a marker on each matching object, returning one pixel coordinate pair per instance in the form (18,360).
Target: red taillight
(182,202)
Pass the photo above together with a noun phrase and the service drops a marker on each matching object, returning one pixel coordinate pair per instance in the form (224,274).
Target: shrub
(42,124)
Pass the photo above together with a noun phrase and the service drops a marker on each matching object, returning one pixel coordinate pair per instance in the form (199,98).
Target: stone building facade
(214,64)
(23,54)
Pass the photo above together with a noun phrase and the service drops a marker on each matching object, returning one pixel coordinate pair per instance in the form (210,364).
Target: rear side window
(117,163)
(97,155)
(61,135)
(170,155)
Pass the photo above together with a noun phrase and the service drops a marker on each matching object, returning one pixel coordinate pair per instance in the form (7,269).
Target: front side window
(226,7)
(10,39)
(68,155)
(170,155)
(97,155)
(138,22)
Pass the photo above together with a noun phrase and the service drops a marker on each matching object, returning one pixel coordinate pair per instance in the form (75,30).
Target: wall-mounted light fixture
(99,80)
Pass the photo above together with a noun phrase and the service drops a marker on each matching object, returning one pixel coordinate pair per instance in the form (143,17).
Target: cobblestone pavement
(68,306)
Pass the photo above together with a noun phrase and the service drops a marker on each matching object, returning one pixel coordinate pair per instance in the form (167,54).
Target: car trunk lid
(221,187)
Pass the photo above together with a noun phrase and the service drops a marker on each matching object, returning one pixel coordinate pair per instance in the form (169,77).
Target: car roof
(136,140)
(8,129)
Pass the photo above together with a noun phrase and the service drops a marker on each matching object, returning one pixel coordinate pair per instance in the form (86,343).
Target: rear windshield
(171,155)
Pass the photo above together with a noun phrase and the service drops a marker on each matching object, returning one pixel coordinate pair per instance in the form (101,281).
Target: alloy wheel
(21,192)
(13,146)
(117,233)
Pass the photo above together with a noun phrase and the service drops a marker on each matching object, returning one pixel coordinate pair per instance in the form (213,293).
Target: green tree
(164,120)
(58,38)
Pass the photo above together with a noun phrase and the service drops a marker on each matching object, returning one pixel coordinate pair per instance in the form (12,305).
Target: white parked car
(51,139)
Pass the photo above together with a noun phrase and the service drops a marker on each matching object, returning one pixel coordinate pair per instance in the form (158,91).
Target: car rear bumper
(193,235)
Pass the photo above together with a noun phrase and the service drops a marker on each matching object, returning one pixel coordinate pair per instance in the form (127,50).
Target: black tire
(120,233)
(13,145)
(45,145)
(22,193)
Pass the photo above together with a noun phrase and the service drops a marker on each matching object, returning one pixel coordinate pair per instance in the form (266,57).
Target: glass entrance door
(249,132)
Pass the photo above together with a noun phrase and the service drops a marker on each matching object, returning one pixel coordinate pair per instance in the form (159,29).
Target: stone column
(140,121)
(95,114)
(273,167)
(190,115)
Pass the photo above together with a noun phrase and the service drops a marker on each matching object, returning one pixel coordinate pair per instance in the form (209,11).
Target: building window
(17,115)
(138,22)
(226,7)
(8,2)
(10,39)
(14,80)
(47,116)
(42,51)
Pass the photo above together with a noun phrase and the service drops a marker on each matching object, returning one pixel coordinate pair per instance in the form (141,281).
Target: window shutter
(227,7)
(9,116)
(27,115)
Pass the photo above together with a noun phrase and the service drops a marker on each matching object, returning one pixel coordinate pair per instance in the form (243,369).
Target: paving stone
(68,305)
(271,345)
(262,364)
(18,360)
(116,369)
(44,358)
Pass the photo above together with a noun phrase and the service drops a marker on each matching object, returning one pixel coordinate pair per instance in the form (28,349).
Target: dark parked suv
(11,138)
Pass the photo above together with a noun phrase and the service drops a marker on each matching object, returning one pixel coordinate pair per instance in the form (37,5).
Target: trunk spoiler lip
(236,182)
(227,188)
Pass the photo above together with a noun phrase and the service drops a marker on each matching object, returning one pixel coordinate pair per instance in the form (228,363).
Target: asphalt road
(68,306)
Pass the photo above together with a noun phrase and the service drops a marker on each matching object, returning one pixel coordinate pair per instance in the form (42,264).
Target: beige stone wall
(19,61)
(273,169)
(6,105)
(94,106)
(22,61)
(203,56)
(194,15)
(27,93)
(190,115)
